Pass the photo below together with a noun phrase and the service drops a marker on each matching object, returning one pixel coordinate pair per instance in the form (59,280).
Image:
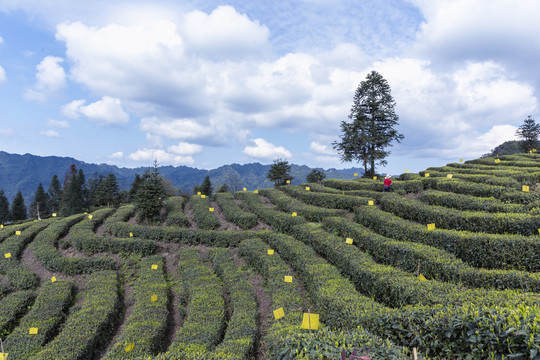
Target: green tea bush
(12,307)
(175,212)
(233,213)
(469,202)
(204,218)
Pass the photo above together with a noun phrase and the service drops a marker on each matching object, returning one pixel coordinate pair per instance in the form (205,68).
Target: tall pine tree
(55,194)
(73,199)
(4,208)
(371,130)
(40,206)
(18,209)
(150,196)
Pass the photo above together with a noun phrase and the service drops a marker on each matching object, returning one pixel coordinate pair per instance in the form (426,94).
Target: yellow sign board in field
(355,174)
(203,196)
(130,234)
(460,160)
(310,321)
(497,161)
(198,193)
(288,278)
(426,174)
(18,232)
(370,202)
(374,178)
(525,188)
(307,188)
(211,209)
(349,241)
(288,181)
(90,216)
(153,298)
(53,214)
(7,255)
(130,346)
(255,191)
(431,226)
(279,313)
(449,176)
(245,189)
(33,331)
(53,279)
(422,277)
(3,356)
(154,267)
(270,252)
(294,214)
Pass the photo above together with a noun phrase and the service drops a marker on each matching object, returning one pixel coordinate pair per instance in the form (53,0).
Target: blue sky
(207,83)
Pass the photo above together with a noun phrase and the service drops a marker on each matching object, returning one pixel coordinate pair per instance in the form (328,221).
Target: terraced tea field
(235,276)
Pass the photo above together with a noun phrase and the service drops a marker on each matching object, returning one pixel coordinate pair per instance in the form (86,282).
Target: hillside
(446,264)
(25,172)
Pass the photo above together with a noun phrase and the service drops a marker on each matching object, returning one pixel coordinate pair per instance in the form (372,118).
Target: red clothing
(387,182)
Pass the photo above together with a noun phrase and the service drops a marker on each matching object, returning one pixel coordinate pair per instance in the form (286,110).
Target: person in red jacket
(387,183)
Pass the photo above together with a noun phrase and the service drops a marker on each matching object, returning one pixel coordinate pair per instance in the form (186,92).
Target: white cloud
(264,150)
(50,133)
(2,75)
(320,149)
(58,123)
(117,155)
(50,78)
(224,34)
(185,149)
(163,157)
(330,160)
(107,111)
(1,40)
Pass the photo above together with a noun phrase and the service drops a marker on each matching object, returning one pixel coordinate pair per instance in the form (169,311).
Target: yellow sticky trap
(426,174)
(449,176)
(406,170)
(270,252)
(288,278)
(53,279)
(294,214)
(211,209)
(349,241)
(307,188)
(90,216)
(18,232)
(3,356)
(310,321)
(154,266)
(288,181)
(497,161)
(370,202)
(7,255)
(2,226)
(245,189)
(374,178)
(85,213)
(421,277)
(198,193)
(153,298)
(255,191)
(130,234)
(53,214)
(431,226)
(130,346)
(203,196)
(33,331)
(279,313)
(525,188)
(355,174)
(460,160)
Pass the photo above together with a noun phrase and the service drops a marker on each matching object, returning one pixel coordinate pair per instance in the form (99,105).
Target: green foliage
(12,307)
(73,199)
(315,176)
(224,188)
(147,324)
(234,213)
(529,132)
(106,191)
(4,208)
(175,212)
(372,127)
(46,315)
(55,194)
(89,327)
(280,172)
(326,200)
(202,215)
(206,187)
(18,209)
(40,206)
(150,197)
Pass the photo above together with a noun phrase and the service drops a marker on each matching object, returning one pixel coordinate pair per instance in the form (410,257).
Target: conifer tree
(18,209)
(109,191)
(55,194)
(73,199)
(4,208)
(529,132)
(150,196)
(279,172)
(132,194)
(315,176)
(206,187)
(40,206)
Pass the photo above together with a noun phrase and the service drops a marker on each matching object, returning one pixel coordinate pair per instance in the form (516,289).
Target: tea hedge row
(175,212)
(432,262)
(46,315)
(289,205)
(233,213)
(325,200)
(469,202)
(474,221)
(87,329)
(507,182)
(146,326)
(12,307)
(409,186)
(203,328)
(491,251)
(241,332)
(44,248)
(202,215)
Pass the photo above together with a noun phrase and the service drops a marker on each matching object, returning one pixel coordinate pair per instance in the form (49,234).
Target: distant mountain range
(25,172)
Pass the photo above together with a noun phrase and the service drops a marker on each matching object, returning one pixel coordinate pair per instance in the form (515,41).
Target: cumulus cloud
(107,111)
(224,34)
(50,78)
(264,150)
(148,155)
(320,148)
(50,133)
(117,155)
(184,148)
(58,123)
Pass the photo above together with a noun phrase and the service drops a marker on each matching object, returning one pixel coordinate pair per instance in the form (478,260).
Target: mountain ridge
(25,172)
